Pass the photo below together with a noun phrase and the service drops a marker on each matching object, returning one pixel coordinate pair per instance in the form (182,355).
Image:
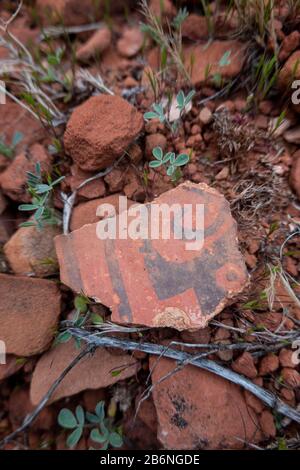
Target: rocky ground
(79,80)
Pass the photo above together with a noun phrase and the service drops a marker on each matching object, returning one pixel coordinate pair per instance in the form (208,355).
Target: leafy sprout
(41,204)
(170,161)
(158,112)
(82,314)
(102,433)
(180,18)
(9,150)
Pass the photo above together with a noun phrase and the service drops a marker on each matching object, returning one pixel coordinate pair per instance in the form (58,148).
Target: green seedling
(170,161)
(103,432)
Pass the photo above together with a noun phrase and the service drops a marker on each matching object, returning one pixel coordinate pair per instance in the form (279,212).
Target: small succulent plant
(102,432)
(170,161)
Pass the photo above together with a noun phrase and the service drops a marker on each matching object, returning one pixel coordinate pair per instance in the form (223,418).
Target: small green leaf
(189,97)
(182,159)
(80,303)
(167,157)
(96,319)
(115,373)
(66,419)
(27,224)
(97,437)
(151,115)
(157,153)
(171,170)
(92,418)
(28,207)
(18,136)
(180,99)
(99,410)
(42,188)
(155,164)
(80,415)
(225,59)
(74,437)
(63,337)
(115,439)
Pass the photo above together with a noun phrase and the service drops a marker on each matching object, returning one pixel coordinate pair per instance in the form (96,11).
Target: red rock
(135,153)
(18,119)
(10,367)
(245,365)
(152,141)
(95,45)
(206,60)
(194,27)
(288,395)
(3,203)
(268,364)
(100,130)
(115,180)
(92,397)
(92,190)
(147,413)
(266,422)
(265,107)
(86,212)
(286,358)
(292,135)
(31,251)
(92,372)
(14,179)
(29,312)
(164,10)
(205,116)
(73,13)
(22,30)
(295,174)
(131,42)
(290,71)
(223,174)
(7,227)
(290,377)
(289,44)
(199,410)
(19,407)
(178,287)
(253,402)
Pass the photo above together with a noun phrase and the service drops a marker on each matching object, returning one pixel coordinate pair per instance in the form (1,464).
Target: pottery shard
(29,311)
(159,281)
(92,372)
(100,130)
(86,212)
(220,57)
(199,410)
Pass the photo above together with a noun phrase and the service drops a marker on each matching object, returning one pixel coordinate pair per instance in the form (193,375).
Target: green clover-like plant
(103,432)
(69,420)
(8,150)
(170,161)
(41,203)
(158,111)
